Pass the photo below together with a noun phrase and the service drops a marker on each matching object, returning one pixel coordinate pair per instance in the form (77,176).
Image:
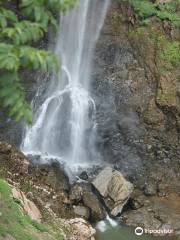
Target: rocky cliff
(137,93)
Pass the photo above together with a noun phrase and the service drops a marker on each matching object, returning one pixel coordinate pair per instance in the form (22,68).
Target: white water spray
(104,225)
(64,127)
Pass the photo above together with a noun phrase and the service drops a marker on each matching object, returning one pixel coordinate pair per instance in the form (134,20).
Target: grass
(15,223)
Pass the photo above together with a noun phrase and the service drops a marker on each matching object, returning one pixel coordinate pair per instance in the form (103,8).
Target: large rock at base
(82,211)
(91,201)
(81,229)
(81,193)
(114,188)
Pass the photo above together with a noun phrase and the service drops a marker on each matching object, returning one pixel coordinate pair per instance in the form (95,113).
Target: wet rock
(156,213)
(137,200)
(82,193)
(114,189)
(53,175)
(142,217)
(150,189)
(162,190)
(91,201)
(84,176)
(82,211)
(76,193)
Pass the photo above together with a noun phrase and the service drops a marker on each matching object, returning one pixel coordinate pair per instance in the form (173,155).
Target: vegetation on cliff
(14,223)
(163,10)
(22,24)
(157,21)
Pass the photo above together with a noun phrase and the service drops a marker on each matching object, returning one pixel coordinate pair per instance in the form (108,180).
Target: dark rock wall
(137,106)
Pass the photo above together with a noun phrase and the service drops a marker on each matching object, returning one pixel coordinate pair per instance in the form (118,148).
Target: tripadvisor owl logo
(139,231)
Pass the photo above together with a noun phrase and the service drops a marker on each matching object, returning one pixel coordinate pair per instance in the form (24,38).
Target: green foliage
(32,58)
(146,8)
(168,12)
(143,8)
(42,10)
(20,28)
(171,54)
(12,221)
(12,96)
(23,32)
(8,57)
(13,57)
(39,226)
(7,16)
(166,51)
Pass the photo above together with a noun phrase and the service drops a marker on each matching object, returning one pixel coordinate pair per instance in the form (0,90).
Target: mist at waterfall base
(64,127)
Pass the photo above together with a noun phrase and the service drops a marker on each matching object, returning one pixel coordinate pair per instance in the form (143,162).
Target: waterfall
(64,127)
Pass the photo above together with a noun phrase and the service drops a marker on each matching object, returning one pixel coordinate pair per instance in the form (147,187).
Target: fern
(11,58)
(37,11)
(23,32)
(7,16)
(32,58)
(8,57)
(143,8)
(146,8)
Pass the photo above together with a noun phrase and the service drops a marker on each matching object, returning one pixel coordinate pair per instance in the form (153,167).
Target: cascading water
(64,127)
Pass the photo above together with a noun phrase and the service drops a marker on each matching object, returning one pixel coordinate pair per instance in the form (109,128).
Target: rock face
(154,213)
(28,206)
(114,189)
(137,106)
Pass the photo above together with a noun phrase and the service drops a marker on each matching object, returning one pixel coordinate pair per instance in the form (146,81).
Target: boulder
(76,193)
(28,206)
(81,229)
(81,193)
(142,217)
(91,201)
(82,211)
(150,189)
(114,189)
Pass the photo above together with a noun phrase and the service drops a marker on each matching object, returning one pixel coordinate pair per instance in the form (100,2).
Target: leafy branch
(18,33)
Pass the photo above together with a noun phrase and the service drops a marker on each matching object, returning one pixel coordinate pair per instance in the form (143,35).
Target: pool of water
(112,230)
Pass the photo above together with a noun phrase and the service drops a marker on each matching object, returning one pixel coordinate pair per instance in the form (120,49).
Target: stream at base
(119,233)
(110,229)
